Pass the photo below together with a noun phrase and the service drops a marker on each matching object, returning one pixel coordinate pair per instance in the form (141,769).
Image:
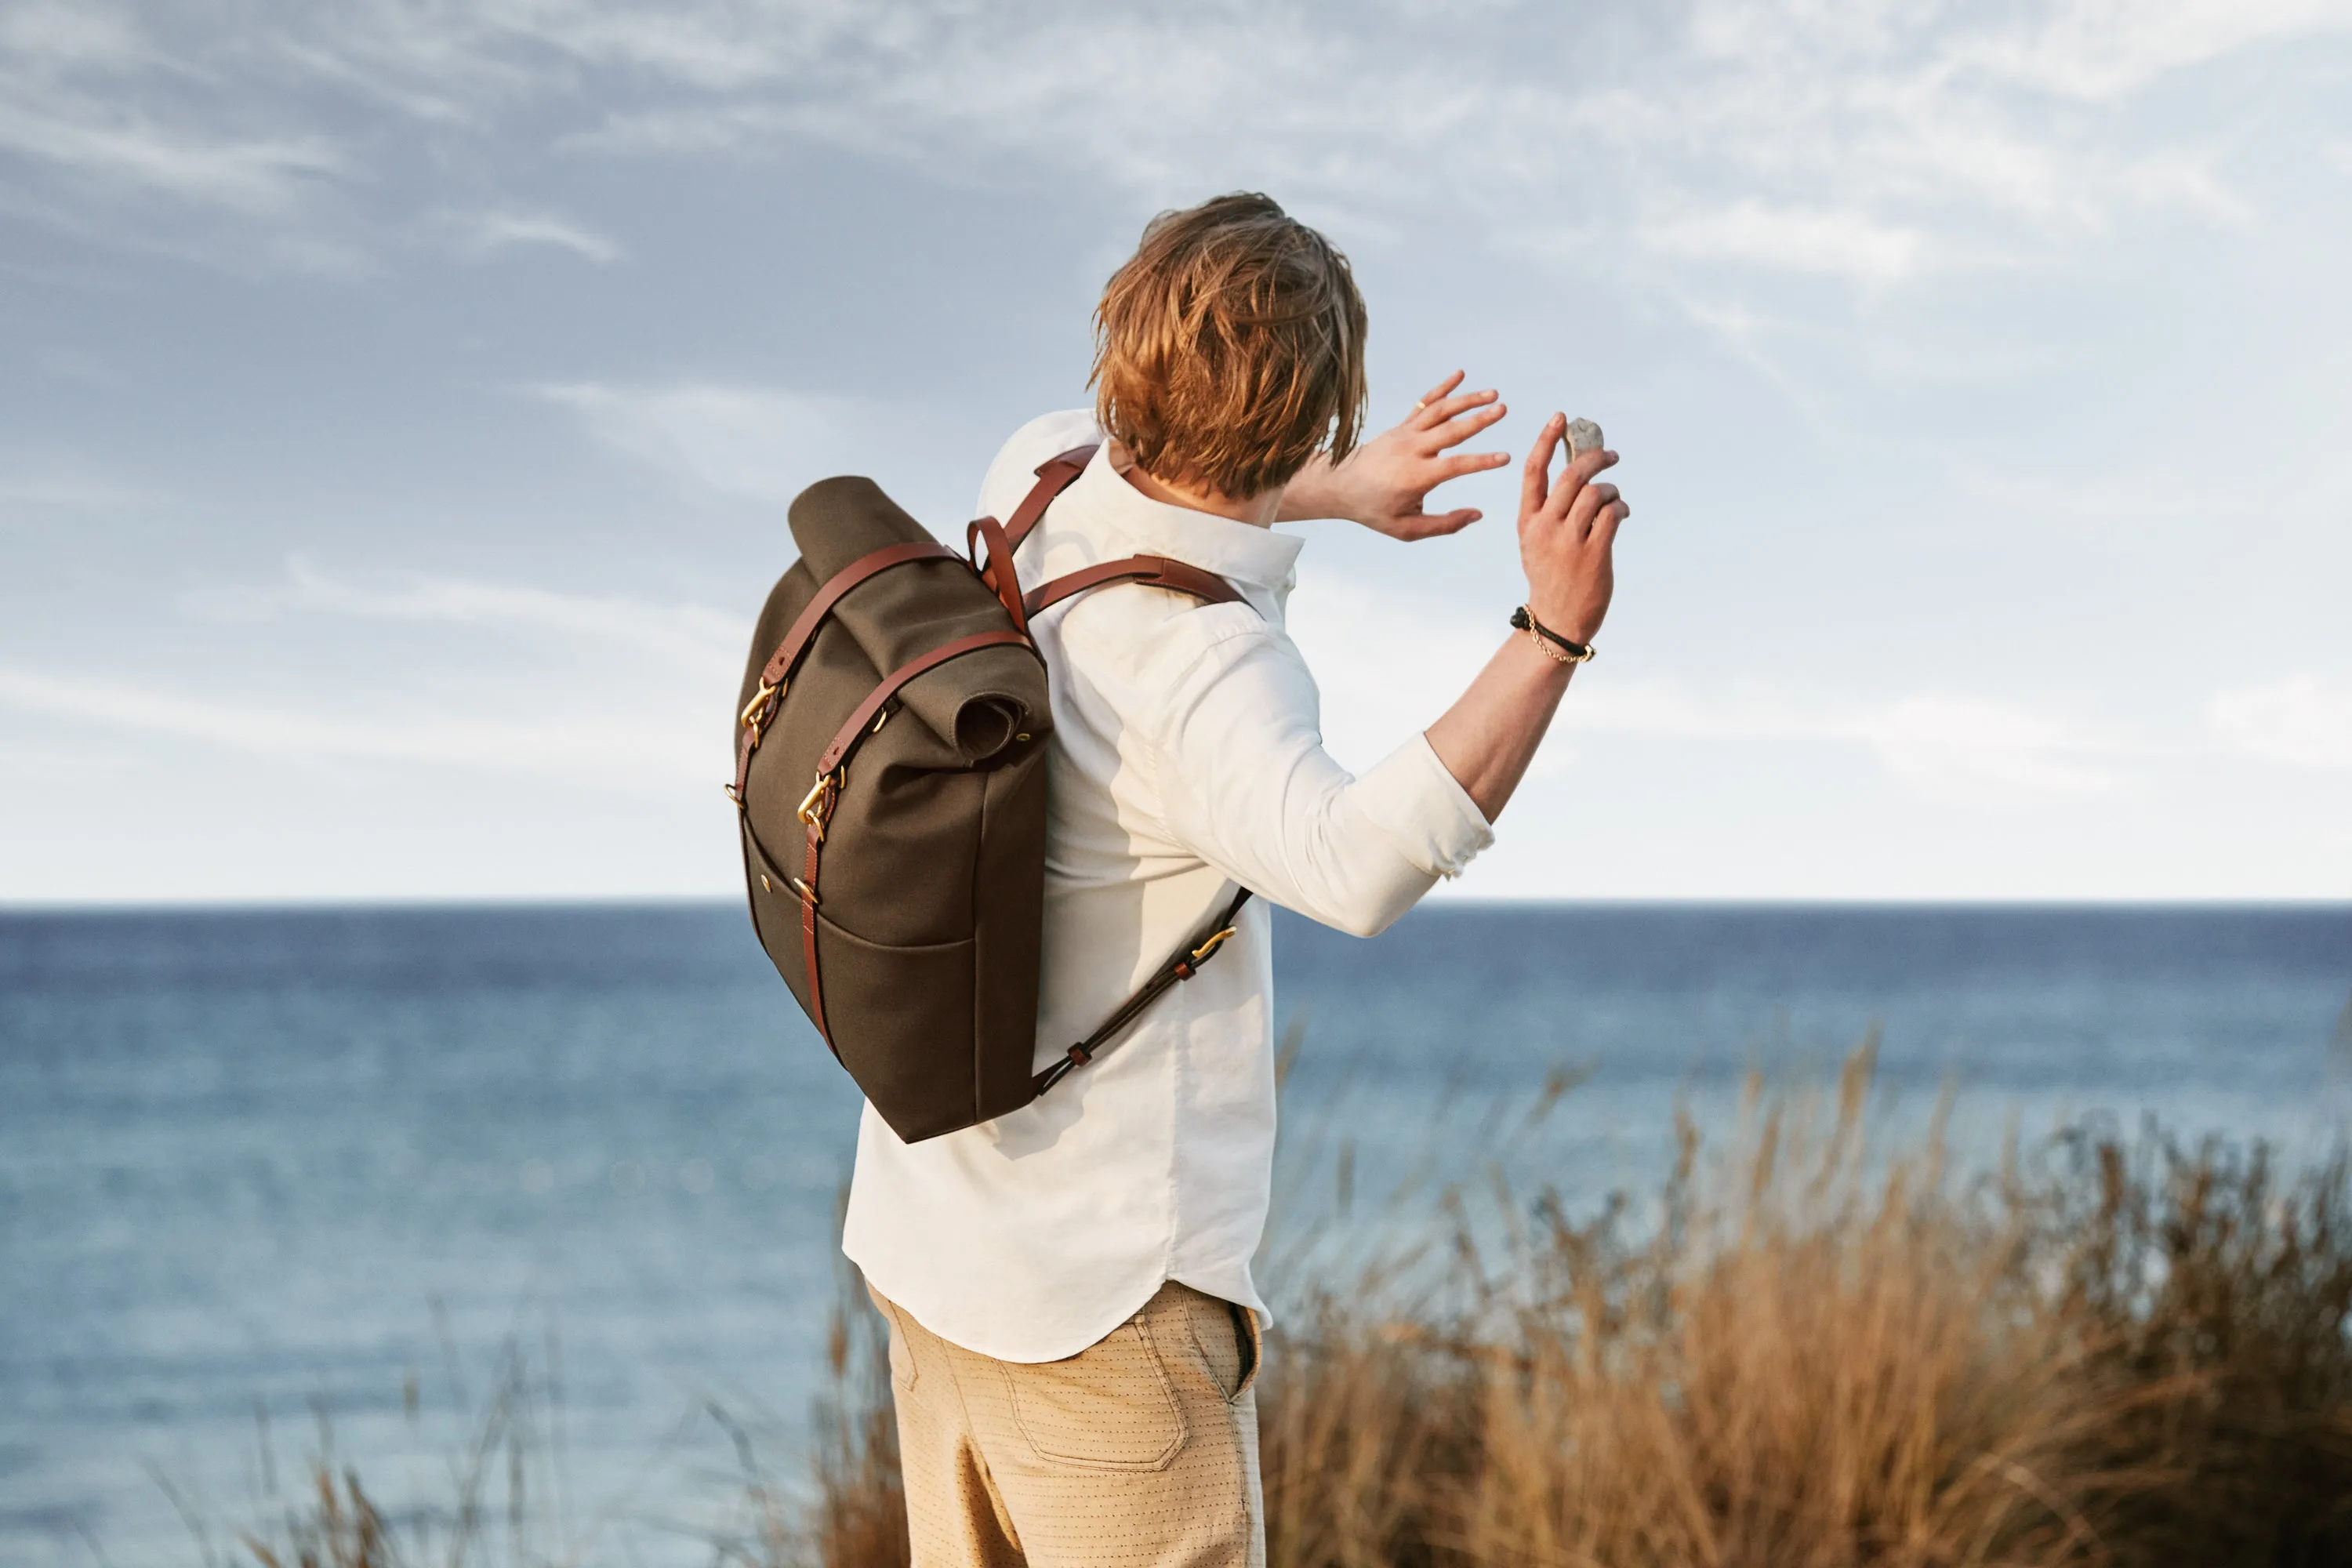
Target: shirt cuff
(1414,800)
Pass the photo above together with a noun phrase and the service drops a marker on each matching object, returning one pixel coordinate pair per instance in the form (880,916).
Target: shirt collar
(1240,552)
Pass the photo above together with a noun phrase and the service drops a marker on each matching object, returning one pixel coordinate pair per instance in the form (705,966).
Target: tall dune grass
(1808,1353)
(2116,1353)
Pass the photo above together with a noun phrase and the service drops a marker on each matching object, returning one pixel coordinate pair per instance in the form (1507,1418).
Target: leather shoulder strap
(1054,474)
(1151,571)
(1180,965)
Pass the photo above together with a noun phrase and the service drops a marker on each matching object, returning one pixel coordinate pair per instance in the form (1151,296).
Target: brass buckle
(1210,946)
(816,806)
(759,700)
(807,893)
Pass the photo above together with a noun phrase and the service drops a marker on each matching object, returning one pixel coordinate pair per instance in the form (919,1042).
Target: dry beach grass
(1810,1353)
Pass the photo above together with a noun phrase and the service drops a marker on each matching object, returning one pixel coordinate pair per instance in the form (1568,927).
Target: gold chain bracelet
(1556,648)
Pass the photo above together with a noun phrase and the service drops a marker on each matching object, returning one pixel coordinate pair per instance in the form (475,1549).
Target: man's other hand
(1567,527)
(1385,482)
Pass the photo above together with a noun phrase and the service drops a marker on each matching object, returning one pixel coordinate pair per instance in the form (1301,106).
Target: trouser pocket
(1110,1407)
(1226,1337)
(1251,1342)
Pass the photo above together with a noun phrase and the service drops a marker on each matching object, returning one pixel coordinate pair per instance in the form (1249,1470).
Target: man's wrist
(1543,670)
(1562,622)
(1311,493)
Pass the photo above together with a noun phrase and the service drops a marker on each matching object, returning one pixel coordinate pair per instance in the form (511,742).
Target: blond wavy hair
(1229,348)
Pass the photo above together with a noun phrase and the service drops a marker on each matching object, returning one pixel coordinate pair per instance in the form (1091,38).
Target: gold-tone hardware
(765,886)
(759,700)
(879,720)
(728,791)
(807,893)
(1022,736)
(1210,946)
(816,806)
(1556,653)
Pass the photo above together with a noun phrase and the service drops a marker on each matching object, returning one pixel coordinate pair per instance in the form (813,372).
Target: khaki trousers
(1140,1451)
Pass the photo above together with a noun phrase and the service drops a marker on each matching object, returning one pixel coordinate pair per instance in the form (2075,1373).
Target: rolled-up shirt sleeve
(1244,783)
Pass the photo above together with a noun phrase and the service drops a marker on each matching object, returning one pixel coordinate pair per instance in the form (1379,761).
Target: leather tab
(998,573)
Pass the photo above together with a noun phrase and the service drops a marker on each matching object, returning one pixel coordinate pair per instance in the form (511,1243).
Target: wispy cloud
(1954,748)
(586,745)
(1864,143)
(1849,245)
(485,234)
(755,443)
(645,681)
(39,486)
(492,741)
(126,151)
(2302,720)
(69,103)
(696,638)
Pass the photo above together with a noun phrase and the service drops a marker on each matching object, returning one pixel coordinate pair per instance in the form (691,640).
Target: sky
(399,406)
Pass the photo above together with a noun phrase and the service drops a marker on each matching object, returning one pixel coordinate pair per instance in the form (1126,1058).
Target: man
(1074,1327)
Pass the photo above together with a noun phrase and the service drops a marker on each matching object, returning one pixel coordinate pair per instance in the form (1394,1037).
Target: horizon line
(496,902)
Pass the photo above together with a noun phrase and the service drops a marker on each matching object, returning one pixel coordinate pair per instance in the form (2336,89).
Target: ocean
(278,1183)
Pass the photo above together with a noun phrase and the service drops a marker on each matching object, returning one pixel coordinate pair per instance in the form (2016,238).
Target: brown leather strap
(788,652)
(1181,965)
(807,890)
(861,722)
(778,670)
(998,573)
(859,725)
(746,743)
(1054,474)
(1152,571)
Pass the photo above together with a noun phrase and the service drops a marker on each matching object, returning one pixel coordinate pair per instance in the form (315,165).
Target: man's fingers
(1535,477)
(1574,477)
(1589,503)
(1433,413)
(1451,522)
(1440,390)
(1455,431)
(1604,527)
(1470,463)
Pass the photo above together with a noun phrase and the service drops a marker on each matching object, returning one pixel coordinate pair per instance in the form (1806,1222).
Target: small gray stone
(1583,436)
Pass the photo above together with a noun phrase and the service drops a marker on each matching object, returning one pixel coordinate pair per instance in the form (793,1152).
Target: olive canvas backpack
(890,788)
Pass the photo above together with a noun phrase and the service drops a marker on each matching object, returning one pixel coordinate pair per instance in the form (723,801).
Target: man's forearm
(1313,492)
(1490,735)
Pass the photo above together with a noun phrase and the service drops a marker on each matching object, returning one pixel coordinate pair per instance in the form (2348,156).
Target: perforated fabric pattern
(1137,1452)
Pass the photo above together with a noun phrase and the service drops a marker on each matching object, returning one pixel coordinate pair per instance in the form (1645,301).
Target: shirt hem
(1021,1351)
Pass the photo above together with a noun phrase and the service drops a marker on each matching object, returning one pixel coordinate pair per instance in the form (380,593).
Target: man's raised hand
(1384,483)
(1568,529)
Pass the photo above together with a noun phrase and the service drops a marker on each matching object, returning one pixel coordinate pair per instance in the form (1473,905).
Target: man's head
(1230,348)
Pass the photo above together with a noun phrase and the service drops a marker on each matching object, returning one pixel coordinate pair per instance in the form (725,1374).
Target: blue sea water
(259,1169)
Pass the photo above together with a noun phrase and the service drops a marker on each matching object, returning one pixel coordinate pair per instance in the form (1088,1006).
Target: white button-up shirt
(1186,761)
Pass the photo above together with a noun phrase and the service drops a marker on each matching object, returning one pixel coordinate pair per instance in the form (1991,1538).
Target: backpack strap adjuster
(816,806)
